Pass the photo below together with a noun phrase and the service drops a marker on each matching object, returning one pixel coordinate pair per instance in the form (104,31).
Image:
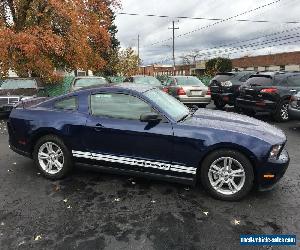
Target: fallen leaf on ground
(153,201)
(236,222)
(56,188)
(65,200)
(2,223)
(187,189)
(117,199)
(69,207)
(206,213)
(38,237)
(9,170)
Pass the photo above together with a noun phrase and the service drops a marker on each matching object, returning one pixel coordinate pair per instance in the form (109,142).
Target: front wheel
(52,157)
(227,175)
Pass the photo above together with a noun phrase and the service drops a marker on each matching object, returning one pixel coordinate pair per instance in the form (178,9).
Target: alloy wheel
(226,175)
(284,113)
(51,157)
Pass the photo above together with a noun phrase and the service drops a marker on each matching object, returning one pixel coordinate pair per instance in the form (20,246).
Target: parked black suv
(269,92)
(224,87)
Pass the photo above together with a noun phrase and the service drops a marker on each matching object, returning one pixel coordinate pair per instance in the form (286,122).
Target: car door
(115,133)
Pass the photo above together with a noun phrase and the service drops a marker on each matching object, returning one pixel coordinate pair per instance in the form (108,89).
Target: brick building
(289,61)
(157,70)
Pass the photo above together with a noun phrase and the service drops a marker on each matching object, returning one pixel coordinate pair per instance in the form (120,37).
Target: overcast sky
(152,29)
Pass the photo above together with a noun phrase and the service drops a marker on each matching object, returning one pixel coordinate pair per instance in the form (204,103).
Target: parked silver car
(188,89)
(87,81)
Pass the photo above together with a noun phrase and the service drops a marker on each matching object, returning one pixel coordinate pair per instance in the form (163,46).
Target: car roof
(180,76)
(88,77)
(141,76)
(140,88)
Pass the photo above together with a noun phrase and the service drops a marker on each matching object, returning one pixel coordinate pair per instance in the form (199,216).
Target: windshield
(18,84)
(87,82)
(146,80)
(188,81)
(168,104)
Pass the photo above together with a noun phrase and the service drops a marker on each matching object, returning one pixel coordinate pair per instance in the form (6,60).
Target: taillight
(165,89)
(208,92)
(181,91)
(269,90)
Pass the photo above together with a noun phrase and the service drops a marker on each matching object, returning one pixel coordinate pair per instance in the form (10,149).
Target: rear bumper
(294,113)
(274,167)
(228,98)
(194,100)
(257,106)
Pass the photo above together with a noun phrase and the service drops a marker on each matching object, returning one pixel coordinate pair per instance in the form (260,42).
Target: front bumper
(276,167)
(257,106)
(294,113)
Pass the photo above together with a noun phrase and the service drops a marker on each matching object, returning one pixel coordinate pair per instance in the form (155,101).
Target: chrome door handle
(293,90)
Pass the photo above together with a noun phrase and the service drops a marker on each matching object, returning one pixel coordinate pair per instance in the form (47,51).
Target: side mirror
(150,117)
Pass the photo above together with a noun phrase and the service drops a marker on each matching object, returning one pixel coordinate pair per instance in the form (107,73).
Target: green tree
(111,54)
(217,65)
(128,62)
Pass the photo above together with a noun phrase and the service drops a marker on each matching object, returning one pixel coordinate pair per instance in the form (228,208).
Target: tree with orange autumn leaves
(37,36)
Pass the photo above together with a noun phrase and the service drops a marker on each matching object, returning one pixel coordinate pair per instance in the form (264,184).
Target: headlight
(226,84)
(275,152)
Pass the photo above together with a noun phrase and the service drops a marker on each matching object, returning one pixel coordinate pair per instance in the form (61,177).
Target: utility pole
(173,29)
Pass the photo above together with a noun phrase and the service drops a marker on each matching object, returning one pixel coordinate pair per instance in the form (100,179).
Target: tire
(248,112)
(227,191)
(219,103)
(61,162)
(282,113)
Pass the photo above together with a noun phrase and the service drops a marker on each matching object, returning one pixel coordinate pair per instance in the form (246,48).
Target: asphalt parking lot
(92,210)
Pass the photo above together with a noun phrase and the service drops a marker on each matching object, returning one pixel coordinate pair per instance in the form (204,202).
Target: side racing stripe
(134,162)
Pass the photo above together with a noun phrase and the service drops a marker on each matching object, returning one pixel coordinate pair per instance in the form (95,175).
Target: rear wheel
(227,175)
(52,157)
(282,112)
(219,103)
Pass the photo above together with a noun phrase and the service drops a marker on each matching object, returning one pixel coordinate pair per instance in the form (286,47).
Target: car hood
(18,92)
(232,122)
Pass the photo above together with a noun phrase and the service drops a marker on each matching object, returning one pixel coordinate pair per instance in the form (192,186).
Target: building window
(256,69)
(282,67)
(267,68)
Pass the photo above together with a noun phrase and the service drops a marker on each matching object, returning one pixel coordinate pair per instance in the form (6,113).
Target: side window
(294,81)
(118,106)
(67,104)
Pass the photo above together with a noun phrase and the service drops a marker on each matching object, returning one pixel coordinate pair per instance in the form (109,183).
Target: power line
(252,45)
(206,18)
(252,39)
(218,22)
(250,48)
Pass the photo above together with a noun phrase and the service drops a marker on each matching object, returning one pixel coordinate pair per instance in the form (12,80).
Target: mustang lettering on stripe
(134,162)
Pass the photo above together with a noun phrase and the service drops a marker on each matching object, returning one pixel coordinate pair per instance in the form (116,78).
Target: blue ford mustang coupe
(142,131)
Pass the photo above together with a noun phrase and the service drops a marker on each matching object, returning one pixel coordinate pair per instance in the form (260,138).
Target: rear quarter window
(66,104)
